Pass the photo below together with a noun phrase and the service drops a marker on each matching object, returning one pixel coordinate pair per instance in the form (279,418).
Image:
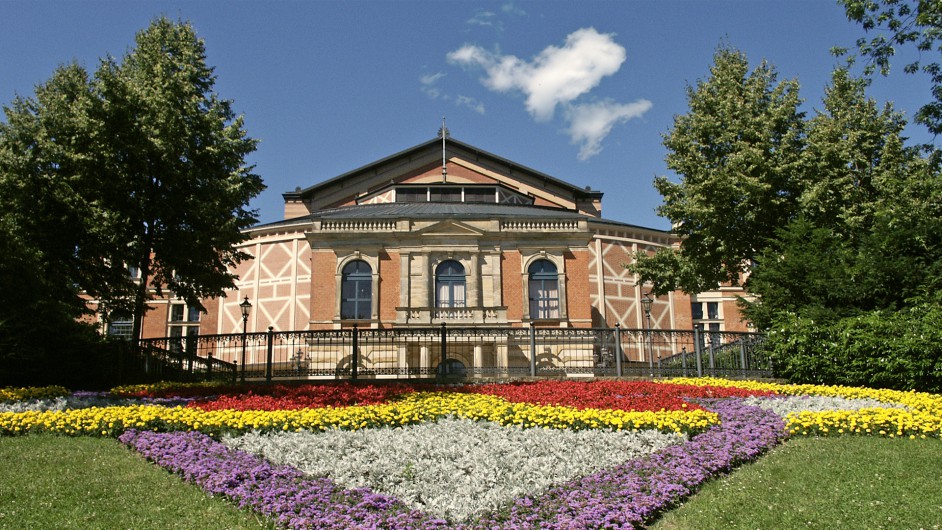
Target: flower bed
(19,394)
(614,494)
(452,468)
(920,416)
(410,409)
(621,395)
(623,496)
(285,397)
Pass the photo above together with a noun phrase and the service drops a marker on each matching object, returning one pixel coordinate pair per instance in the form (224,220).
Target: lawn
(53,481)
(846,482)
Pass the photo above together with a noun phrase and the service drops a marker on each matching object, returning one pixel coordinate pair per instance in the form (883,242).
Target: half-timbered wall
(277,282)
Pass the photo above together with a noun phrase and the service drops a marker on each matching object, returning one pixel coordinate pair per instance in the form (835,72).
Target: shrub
(880,349)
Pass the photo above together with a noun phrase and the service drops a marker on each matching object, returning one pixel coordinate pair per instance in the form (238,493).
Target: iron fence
(454,352)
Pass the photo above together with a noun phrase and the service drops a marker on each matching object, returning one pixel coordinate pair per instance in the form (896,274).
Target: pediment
(450,228)
(422,165)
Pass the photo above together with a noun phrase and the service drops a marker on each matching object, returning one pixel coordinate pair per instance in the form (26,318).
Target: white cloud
(470,55)
(512,9)
(471,103)
(428,82)
(484,18)
(590,123)
(557,75)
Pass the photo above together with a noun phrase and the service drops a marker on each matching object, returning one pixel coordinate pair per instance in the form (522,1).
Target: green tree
(141,165)
(844,156)
(172,169)
(865,238)
(916,23)
(46,238)
(737,152)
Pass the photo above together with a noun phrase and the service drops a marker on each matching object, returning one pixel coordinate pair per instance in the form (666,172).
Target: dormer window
(453,193)
(444,194)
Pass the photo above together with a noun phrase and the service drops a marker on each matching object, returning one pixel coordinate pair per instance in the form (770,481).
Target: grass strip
(49,481)
(841,482)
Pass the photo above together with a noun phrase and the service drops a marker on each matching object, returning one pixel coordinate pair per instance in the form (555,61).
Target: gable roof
(346,187)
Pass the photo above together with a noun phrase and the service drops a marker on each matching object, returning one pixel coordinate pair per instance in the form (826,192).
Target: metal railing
(461,352)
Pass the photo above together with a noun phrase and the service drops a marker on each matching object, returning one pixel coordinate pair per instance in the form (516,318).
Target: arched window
(544,290)
(356,291)
(449,284)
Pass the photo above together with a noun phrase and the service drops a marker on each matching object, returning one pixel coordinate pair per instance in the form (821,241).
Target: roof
(436,144)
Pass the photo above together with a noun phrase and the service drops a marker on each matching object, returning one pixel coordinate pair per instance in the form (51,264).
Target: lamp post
(246,308)
(646,304)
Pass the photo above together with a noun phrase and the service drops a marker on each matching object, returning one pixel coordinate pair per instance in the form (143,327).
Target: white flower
(453,468)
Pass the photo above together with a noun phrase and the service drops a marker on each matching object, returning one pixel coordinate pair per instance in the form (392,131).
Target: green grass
(845,482)
(49,481)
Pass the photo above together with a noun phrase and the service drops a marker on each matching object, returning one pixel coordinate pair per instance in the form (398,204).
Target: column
(403,364)
(478,358)
(424,359)
(474,281)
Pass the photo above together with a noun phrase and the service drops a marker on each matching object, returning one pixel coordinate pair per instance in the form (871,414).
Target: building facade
(445,232)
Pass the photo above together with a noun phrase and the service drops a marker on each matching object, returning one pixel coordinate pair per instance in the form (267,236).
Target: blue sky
(582,91)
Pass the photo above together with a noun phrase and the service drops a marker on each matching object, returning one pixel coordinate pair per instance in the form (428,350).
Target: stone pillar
(424,359)
(503,358)
(403,364)
(478,357)
(474,281)
(404,278)
(423,275)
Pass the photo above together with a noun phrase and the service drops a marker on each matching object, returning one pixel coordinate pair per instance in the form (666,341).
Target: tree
(737,152)
(141,165)
(899,23)
(864,238)
(46,238)
(173,171)
(846,152)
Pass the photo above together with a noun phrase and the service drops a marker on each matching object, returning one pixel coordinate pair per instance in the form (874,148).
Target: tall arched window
(356,291)
(449,284)
(543,288)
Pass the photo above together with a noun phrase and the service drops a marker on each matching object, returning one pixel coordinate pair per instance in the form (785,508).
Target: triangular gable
(466,164)
(450,228)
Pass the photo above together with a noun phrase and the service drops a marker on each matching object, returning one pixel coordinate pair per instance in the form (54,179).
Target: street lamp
(246,308)
(646,304)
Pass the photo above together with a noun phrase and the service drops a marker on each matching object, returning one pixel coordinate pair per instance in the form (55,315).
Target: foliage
(881,349)
(736,151)
(140,165)
(867,235)
(46,232)
(174,178)
(832,215)
(916,23)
